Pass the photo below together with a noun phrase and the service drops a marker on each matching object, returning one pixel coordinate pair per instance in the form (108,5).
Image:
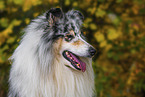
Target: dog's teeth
(78,65)
(66,53)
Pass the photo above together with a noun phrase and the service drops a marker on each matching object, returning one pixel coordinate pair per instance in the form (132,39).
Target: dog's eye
(69,37)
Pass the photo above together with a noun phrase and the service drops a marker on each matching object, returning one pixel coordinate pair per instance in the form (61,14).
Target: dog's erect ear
(77,13)
(53,15)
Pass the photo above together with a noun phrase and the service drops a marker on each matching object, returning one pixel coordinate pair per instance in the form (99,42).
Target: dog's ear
(53,15)
(79,14)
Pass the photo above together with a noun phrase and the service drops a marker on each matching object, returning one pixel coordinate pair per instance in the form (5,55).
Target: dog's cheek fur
(78,43)
(57,47)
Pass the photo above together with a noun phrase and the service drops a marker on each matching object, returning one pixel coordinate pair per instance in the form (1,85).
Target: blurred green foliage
(116,27)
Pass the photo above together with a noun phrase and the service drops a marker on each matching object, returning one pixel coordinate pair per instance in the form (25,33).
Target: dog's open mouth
(75,61)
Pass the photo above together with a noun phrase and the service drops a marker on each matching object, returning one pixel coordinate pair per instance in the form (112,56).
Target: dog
(53,58)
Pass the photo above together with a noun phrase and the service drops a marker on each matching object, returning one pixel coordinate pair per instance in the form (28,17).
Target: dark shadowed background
(115,27)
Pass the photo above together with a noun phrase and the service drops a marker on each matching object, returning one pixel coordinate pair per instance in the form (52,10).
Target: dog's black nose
(92,51)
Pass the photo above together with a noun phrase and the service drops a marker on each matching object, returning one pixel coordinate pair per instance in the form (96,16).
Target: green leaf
(109,54)
(126,43)
(112,34)
(118,1)
(11,40)
(133,51)
(101,0)
(93,26)
(5,48)
(18,2)
(142,40)
(100,13)
(67,2)
(4,22)
(115,57)
(2,5)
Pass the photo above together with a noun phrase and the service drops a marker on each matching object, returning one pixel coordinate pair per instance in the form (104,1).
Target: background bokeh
(115,27)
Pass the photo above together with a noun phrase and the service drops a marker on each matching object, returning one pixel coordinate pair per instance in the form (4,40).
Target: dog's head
(66,28)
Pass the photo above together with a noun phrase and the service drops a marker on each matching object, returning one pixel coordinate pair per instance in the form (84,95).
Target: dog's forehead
(71,22)
(71,27)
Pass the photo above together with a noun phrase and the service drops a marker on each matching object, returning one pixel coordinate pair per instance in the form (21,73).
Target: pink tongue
(82,64)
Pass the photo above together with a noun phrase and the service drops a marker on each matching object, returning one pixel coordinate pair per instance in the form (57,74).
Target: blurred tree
(116,27)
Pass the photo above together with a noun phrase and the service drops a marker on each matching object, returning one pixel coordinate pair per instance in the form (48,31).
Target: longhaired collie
(53,58)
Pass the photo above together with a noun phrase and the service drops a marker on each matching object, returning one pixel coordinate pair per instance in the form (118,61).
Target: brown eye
(69,37)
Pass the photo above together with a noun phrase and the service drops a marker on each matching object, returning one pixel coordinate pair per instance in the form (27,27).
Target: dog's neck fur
(63,80)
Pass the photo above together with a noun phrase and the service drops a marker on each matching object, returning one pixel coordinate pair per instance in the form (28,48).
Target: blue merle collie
(53,58)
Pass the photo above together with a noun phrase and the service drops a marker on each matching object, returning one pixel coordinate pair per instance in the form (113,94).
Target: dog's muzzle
(92,51)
